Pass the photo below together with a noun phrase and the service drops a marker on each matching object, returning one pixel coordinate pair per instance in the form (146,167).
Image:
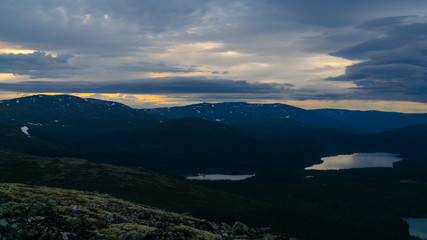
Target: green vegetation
(138,185)
(191,145)
(369,202)
(32,212)
(344,204)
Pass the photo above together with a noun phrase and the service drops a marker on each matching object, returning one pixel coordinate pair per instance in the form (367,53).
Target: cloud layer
(394,65)
(36,65)
(148,86)
(306,49)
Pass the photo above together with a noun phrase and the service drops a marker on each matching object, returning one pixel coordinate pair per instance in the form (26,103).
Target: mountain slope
(191,145)
(114,133)
(29,212)
(323,205)
(410,141)
(291,130)
(137,185)
(72,116)
(373,121)
(232,112)
(21,139)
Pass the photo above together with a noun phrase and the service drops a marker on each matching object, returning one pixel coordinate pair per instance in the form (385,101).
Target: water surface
(417,227)
(356,160)
(218,177)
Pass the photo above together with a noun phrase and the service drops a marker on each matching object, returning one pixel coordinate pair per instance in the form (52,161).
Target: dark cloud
(335,13)
(216,72)
(121,27)
(383,22)
(152,67)
(105,36)
(93,26)
(36,65)
(148,86)
(153,15)
(394,66)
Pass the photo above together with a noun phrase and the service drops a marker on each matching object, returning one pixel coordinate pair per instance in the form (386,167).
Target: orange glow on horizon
(6,76)
(362,105)
(167,74)
(128,99)
(153,100)
(10,48)
(16,51)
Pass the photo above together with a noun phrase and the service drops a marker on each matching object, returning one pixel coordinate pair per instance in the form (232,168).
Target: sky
(150,53)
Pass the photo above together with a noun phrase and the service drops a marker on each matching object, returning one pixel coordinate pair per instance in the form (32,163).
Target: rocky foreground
(31,212)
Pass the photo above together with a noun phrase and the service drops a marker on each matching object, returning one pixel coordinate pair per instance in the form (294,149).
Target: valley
(145,156)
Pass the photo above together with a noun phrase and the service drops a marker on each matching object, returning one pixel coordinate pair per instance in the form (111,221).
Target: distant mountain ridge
(72,115)
(341,119)
(232,112)
(291,130)
(44,110)
(373,121)
(109,132)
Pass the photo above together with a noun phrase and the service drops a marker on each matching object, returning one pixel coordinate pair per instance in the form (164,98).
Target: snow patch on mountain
(35,124)
(25,129)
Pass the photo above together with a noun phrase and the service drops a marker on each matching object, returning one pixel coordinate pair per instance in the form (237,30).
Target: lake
(417,227)
(357,160)
(219,177)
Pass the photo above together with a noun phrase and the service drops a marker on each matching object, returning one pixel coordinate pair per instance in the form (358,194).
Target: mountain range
(228,137)
(144,155)
(58,112)
(72,116)
(346,120)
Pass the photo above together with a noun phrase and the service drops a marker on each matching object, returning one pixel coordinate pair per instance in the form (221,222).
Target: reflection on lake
(417,227)
(356,160)
(217,177)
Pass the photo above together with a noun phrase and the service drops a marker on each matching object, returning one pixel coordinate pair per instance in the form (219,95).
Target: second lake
(357,160)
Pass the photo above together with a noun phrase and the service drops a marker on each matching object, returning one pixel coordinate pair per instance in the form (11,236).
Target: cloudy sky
(331,53)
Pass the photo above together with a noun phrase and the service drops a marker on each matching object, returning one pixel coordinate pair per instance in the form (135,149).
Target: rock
(64,236)
(39,218)
(130,236)
(215,226)
(3,223)
(239,228)
(51,202)
(204,227)
(269,237)
(170,233)
(75,208)
(38,209)
(111,218)
(33,218)
(266,230)
(224,226)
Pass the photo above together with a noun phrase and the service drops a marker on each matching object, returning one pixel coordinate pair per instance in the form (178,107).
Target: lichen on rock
(33,212)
